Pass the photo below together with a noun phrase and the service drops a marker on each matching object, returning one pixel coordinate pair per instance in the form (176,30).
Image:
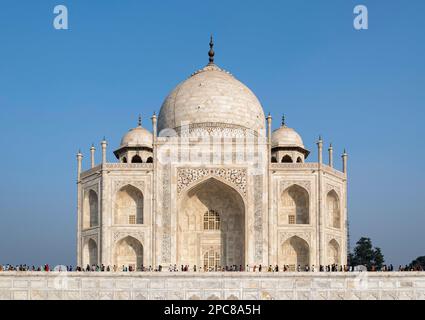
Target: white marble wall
(154,286)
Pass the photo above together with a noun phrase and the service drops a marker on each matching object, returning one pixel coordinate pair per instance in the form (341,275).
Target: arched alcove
(294,208)
(90,253)
(286,159)
(136,159)
(295,252)
(333,208)
(90,209)
(128,206)
(128,253)
(333,252)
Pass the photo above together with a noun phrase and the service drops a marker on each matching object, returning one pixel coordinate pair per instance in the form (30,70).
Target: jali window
(211,259)
(211,220)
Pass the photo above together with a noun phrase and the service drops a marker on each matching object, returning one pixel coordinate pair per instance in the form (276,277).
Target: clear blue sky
(63,90)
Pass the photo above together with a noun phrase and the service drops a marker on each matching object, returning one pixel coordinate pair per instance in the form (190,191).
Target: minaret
(92,150)
(79,164)
(344,162)
(104,144)
(331,160)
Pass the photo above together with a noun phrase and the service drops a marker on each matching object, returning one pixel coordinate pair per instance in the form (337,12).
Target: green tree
(350,259)
(365,254)
(419,262)
(378,258)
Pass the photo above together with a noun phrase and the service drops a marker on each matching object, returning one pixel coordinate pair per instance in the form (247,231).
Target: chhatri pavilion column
(344,162)
(79,165)
(104,144)
(331,161)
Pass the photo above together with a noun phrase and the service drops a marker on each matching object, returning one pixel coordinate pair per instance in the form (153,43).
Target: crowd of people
(187,268)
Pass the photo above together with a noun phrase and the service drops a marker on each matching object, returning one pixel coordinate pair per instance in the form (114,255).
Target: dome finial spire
(211,53)
(140,120)
(283,120)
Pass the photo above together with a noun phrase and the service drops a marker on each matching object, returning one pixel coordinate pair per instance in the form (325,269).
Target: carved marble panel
(331,236)
(166,216)
(284,184)
(187,177)
(118,184)
(118,235)
(258,216)
(337,189)
(90,236)
(306,236)
(91,186)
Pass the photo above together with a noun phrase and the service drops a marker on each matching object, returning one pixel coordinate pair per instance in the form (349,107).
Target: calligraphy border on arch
(187,177)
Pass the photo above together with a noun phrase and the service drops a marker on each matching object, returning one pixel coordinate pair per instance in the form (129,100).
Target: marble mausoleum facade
(212,185)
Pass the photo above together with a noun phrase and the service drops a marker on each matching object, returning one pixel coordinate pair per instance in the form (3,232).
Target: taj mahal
(212,185)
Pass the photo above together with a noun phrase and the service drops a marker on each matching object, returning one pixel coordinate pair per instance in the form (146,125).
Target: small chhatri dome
(286,137)
(211,98)
(137,137)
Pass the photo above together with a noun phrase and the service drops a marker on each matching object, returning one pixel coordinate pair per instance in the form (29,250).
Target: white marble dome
(212,97)
(137,137)
(286,137)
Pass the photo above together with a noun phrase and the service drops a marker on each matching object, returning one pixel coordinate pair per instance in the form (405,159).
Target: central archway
(211,218)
